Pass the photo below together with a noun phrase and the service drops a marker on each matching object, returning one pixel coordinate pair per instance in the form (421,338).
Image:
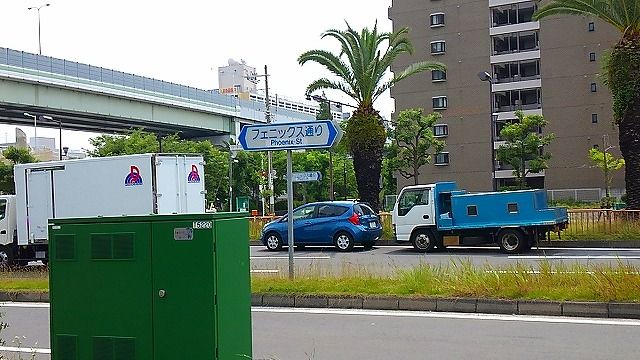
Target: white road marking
(25,350)
(446,315)
(286,257)
(577,257)
(24,304)
(265,271)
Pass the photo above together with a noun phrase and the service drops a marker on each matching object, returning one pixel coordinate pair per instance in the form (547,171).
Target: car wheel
(274,242)
(423,240)
(343,241)
(512,241)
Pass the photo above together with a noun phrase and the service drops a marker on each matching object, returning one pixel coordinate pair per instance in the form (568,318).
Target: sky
(186,41)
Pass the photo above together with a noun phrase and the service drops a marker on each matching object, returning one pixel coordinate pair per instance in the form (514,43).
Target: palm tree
(622,74)
(360,68)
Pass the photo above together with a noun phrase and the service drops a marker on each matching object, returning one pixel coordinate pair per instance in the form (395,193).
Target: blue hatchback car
(342,224)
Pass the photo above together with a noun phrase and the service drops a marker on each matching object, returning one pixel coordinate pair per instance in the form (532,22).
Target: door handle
(162,293)
(3,232)
(425,217)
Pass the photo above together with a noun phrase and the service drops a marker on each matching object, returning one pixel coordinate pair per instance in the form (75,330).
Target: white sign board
(306,176)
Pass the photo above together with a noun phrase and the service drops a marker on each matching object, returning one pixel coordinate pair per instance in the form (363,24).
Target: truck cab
(7,229)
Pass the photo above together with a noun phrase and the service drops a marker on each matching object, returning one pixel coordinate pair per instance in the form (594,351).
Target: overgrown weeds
(549,281)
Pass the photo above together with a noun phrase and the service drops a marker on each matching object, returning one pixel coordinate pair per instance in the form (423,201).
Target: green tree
(621,73)
(19,155)
(361,68)
(606,162)
(15,155)
(523,147)
(411,141)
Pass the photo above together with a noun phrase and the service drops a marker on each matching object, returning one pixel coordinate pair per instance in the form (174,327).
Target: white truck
(110,186)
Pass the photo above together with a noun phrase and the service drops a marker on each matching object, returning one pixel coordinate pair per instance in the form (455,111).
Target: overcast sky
(186,41)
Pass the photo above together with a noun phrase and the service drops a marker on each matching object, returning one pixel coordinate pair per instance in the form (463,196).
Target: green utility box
(158,287)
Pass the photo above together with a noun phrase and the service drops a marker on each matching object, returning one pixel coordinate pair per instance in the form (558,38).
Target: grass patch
(543,281)
(36,279)
(461,279)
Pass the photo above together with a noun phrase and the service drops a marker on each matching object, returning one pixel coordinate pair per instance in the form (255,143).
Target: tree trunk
(623,75)
(367,167)
(629,138)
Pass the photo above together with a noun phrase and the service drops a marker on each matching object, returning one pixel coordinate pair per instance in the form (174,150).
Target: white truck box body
(110,186)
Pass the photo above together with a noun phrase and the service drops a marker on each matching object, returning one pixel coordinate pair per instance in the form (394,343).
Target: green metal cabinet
(160,287)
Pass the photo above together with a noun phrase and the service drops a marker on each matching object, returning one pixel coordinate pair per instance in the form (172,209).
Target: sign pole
(290,211)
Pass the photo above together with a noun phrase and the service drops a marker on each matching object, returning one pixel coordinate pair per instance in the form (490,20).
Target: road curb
(437,304)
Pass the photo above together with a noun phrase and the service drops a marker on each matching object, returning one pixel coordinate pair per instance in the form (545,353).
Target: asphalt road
(385,259)
(320,334)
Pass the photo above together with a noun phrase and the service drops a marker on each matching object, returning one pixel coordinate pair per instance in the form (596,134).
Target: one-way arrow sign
(290,136)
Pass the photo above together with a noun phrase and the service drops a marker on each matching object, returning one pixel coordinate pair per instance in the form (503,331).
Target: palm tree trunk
(629,138)
(624,80)
(367,167)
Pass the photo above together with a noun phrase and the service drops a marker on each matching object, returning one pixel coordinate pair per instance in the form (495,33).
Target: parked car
(342,224)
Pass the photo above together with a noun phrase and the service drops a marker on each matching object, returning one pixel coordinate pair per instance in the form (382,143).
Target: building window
(512,208)
(594,87)
(437,19)
(516,71)
(442,159)
(472,210)
(439,102)
(592,26)
(592,56)
(594,118)
(441,130)
(438,75)
(437,47)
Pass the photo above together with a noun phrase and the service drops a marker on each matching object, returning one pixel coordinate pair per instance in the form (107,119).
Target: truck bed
(500,209)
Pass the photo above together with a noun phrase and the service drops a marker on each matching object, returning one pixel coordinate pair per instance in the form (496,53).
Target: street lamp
(35,126)
(38,8)
(485,76)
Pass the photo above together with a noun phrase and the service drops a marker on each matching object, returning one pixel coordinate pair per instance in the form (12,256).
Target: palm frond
(610,11)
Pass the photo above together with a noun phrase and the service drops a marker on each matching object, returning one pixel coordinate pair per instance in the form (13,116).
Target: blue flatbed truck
(441,215)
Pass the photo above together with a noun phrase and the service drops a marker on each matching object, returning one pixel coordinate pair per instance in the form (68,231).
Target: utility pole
(267,117)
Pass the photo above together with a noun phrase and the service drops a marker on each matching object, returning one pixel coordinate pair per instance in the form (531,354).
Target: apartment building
(498,61)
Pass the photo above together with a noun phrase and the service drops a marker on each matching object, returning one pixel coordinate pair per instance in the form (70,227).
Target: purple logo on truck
(193,177)
(134,177)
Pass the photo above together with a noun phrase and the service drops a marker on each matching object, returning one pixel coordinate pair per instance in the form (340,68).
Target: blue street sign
(306,176)
(290,136)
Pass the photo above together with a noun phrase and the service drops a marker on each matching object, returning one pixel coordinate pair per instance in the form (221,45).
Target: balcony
(512,100)
(515,42)
(513,14)
(516,71)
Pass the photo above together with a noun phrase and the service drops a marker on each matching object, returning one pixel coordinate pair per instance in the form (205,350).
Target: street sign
(290,136)
(306,176)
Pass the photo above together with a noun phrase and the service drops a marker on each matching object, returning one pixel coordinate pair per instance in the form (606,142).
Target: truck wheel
(512,241)
(274,242)
(7,256)
(423,240)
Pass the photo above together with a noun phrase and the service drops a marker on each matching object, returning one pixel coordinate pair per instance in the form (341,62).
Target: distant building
(240,80)
(549,67)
